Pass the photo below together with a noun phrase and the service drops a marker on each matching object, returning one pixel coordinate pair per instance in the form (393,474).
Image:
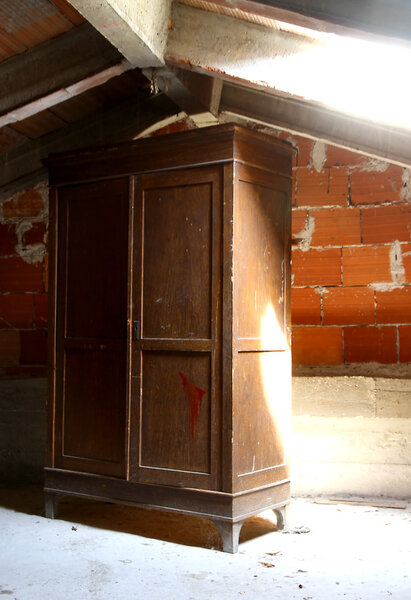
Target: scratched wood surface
(258,262)
(176,416)
(261,389)
(177,257)
(179,313)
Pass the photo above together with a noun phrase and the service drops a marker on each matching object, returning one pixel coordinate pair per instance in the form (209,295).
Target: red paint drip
(195,398)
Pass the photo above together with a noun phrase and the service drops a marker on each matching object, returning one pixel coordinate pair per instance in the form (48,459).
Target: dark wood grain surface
(91,327)
(171,339)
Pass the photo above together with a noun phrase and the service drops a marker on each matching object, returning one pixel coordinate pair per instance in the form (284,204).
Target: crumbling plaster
(30,253)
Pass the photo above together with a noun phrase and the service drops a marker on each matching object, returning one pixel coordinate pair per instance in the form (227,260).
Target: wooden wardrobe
(170,371)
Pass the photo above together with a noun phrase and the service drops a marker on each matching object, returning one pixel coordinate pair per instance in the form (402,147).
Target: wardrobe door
(91,329)
(176,392)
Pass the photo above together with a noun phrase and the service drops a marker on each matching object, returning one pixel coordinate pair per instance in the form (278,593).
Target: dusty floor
(106,551)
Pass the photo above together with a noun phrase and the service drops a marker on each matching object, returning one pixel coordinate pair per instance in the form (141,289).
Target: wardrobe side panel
(262,381)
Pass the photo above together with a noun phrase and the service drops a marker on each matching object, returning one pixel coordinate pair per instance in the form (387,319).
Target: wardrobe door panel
(176,411)
(92,405)
(91,344)
(177,262)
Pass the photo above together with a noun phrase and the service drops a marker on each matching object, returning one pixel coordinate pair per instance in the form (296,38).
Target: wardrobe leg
(282,517)
(230,533)
(50,504)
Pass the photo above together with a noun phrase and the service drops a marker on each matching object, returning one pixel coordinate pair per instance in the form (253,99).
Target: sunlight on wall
(364,78)
(275,367)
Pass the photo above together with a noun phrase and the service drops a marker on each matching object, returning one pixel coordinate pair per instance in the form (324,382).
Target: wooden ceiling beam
(351,17)
(392,19)
(65,93)
(123,122)
(55,71)
(308,119)
(193,92)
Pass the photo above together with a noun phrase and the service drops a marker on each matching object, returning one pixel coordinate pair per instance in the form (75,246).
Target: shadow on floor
(149,523)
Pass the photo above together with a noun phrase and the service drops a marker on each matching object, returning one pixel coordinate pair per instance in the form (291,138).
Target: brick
(394,306)
(381,224)
(299,216)
(317,345)
(327,188)
(316,267)
(406,261)
(16,310)
(33,347)
(8,239)
(305,306)
(304,146)
(26,371)
(405,343)
(9,348)
(177,126)
(370,344)
(374,187)
(340,157)
(348,306)
(19,276)
(336,227)
(35,235)
(41,309)
(27,204)
(366,264)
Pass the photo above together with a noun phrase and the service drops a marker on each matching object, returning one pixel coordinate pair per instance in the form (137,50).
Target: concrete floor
(106,551)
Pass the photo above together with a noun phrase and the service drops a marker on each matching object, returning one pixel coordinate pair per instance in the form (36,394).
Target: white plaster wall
(351,435)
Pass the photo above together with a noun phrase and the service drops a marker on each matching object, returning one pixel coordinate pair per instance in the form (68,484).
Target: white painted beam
(227,47)
(354,77)
(137,28)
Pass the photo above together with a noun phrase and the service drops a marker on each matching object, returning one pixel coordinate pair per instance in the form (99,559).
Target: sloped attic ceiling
(63,86)
(70,78)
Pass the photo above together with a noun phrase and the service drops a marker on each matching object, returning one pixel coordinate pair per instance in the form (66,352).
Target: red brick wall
(351,300)
(351,265)
(23,283)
